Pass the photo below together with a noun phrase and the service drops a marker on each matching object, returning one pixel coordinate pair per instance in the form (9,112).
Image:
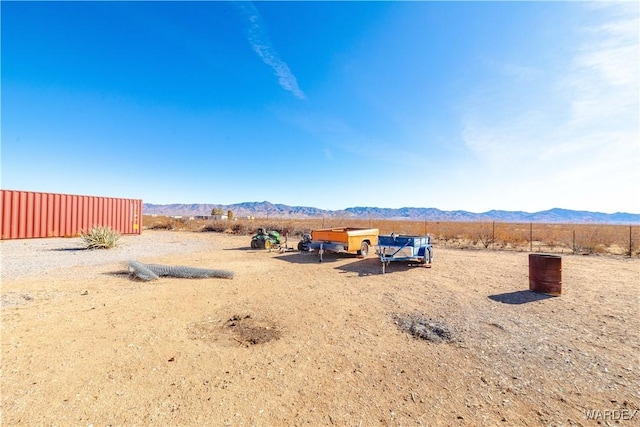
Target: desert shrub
(158,223)
(485,234)
(99,237)
(169,223)
(180,223)
(161,226)
(589,240)
(241,228)
(215,226)
(628,240)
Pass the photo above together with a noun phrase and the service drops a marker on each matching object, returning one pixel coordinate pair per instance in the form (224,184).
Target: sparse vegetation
(486,235)
(99,237)
(166,223)
(553,238)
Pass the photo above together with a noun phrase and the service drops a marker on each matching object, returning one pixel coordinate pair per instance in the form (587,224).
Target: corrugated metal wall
(26,214)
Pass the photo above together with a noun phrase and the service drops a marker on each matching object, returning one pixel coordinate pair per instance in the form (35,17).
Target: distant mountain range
(267,209)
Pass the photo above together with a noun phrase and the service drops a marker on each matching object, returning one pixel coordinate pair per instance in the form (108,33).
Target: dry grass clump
(215,227)
(166,223)
(99,237)
(239,228)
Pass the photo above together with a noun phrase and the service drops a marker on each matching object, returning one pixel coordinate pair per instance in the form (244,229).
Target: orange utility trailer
(344,240)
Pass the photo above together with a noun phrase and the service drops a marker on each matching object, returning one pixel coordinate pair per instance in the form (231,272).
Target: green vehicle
(265,239)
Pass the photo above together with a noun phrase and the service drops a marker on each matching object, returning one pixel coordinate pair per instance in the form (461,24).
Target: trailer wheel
(428,257)
(364,249)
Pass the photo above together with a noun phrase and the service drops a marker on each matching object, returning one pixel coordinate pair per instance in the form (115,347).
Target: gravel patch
(423,328)
(28,258)
(15,298)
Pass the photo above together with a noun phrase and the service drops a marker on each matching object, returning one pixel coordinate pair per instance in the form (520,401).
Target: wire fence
(531,237)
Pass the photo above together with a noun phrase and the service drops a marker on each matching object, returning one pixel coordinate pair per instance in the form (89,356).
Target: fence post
(630,242)
(531,237)
(493,234)
(574,240)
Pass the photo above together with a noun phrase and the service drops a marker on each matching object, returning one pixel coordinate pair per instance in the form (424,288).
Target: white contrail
(259,41)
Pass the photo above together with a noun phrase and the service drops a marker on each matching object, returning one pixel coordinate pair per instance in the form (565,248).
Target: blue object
(398,247)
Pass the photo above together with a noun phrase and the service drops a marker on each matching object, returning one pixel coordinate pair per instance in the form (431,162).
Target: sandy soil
(291,341)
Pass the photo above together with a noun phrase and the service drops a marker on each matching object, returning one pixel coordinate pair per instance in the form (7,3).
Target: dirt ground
(291,341)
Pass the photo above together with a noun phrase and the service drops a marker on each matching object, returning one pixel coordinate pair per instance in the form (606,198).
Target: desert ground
(292,341)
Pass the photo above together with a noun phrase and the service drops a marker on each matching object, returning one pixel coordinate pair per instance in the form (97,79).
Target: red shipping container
(27,214)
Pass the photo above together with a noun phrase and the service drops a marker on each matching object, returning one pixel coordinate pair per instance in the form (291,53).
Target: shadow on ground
(355,264)
(397,266)
(519,297)
(364,267)
(313,258)
(372,265)
(70,249)
(283,249)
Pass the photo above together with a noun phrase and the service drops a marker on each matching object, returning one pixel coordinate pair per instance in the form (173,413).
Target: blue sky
(453,105)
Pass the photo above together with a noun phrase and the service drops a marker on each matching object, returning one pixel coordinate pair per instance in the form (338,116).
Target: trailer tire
(428,257)
(426,260)
(364,249)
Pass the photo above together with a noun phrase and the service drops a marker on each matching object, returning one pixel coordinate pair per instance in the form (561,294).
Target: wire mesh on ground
(147,272)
